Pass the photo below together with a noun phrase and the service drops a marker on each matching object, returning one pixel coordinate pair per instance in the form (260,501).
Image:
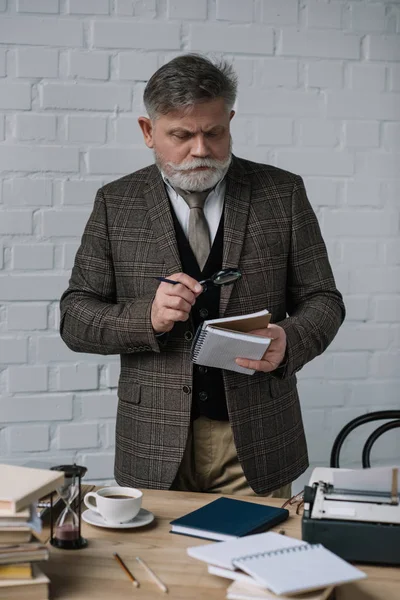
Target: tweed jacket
(272,235)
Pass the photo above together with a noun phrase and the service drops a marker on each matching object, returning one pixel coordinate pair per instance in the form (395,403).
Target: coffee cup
(115,504)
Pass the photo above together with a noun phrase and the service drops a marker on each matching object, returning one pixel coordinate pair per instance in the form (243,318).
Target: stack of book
(20,576)
(20,550)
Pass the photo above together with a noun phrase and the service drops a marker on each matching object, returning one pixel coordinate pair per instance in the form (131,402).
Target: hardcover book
(20,486)
(227,518)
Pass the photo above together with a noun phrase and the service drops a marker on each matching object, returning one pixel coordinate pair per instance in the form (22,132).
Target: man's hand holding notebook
(273,356)
(219,342)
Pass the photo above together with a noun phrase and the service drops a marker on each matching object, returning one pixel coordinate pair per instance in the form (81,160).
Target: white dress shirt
(213,207)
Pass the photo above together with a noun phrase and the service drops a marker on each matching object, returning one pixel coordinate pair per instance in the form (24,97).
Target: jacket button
(186,389)
(188,336)
(203,313)
(203,396)
(202,369)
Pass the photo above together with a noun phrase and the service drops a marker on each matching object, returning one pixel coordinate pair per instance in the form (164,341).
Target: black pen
(167,280)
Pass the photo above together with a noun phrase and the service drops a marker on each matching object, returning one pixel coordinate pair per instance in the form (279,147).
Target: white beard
(180,175)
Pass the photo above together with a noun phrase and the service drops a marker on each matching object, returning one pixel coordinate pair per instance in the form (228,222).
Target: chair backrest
(361,420)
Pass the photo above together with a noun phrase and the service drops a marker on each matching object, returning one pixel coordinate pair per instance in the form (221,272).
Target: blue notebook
(226,518)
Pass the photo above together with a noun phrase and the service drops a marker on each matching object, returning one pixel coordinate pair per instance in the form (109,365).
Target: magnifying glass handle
(205,283)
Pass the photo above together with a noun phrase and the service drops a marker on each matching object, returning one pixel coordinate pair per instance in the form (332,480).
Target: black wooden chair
(372,416)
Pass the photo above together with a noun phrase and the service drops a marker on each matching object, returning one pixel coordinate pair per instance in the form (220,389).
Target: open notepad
(218,342)
(298,569)
(276,562)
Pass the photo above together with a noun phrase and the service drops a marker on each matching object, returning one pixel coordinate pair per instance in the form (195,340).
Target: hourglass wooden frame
(75,542)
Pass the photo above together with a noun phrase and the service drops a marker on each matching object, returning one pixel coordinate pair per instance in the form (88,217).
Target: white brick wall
(82,129)
(234,10)
(319,94)
(28,438)
(35,127)
(27,192)
(89,65)
(2,62)
(32,256)
(15,95)
(236,38)
(26,316)
(35,62)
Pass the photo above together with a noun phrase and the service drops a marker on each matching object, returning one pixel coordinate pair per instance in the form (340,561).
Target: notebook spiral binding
(198,342)
(292,549)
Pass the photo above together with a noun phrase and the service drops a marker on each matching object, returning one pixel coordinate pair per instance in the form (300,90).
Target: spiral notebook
(222,554)
(297,569)
(218,342)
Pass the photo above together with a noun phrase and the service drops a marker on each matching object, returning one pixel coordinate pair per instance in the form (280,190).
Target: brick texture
(319,94)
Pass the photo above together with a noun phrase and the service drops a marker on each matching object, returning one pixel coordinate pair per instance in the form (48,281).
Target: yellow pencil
(125,568)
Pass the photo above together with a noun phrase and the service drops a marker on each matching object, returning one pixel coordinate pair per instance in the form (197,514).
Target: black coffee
(118,496)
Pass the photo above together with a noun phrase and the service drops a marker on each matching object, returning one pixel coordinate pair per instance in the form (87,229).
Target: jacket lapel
(236,211)
(160,214)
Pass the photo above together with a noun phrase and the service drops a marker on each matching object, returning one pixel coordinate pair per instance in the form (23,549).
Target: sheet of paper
(296,570)
(377,479)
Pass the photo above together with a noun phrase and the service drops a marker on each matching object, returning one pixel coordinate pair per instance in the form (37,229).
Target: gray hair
(188,80)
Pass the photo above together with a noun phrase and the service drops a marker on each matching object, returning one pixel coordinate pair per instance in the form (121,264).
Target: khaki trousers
(210,463)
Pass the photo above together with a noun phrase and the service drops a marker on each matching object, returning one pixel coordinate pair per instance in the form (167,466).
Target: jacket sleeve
(91,318)
(314,306)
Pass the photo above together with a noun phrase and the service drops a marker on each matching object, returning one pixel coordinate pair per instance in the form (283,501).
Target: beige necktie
(199,233)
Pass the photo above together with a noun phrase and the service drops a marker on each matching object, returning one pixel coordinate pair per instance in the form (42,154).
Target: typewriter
(355,513)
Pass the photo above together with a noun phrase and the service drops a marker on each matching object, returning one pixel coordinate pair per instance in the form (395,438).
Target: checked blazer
(271,233)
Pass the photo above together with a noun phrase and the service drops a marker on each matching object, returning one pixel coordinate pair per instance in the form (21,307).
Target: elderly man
(197,210)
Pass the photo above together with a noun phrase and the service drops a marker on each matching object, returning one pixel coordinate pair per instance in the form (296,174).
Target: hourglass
(66,531)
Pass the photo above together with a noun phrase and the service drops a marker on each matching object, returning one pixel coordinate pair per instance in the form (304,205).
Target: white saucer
(144,517)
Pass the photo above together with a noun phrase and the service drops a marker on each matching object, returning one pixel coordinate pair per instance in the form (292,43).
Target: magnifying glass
(220,278)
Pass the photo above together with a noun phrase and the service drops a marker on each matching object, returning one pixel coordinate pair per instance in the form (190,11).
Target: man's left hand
(274,354)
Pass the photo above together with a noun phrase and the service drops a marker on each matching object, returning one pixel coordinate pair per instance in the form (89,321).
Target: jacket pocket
(282,387)
(264,250)
(129,391)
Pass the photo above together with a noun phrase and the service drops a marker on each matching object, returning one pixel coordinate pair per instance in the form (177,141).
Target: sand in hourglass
(67,531)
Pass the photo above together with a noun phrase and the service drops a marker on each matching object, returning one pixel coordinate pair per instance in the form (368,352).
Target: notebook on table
(227,518)
(16,571)
(15,535)
(20,486)
(22,516)
(242,591)
(218,342)
(22,553)
(35,588)
(221,555)
(297,569)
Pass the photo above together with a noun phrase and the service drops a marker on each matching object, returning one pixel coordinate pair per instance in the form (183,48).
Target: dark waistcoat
(208,387)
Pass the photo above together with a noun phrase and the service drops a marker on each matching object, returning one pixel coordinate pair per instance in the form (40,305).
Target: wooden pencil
(158,581)
(125,568)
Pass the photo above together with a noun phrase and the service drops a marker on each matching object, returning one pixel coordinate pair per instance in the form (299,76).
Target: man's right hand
(173,303)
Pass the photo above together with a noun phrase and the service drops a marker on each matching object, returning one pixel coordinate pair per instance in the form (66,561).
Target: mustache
(211,163)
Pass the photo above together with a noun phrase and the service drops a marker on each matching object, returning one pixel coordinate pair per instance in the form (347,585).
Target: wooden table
(93,573)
